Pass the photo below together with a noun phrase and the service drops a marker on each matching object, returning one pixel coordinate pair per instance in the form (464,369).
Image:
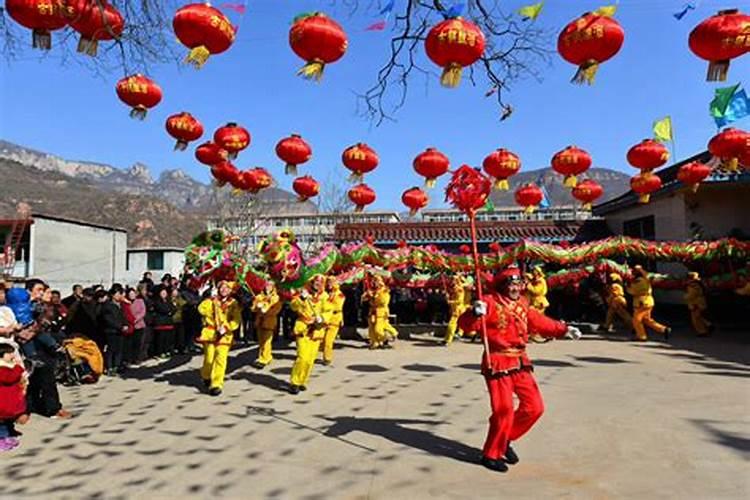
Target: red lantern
(495,247)
(468,189)
(40,16)
(306,187)
(648,155)
(529,196)
(210,154)
(319,40)
(729,145)
(225,172)
(645,184)
(259,179)
(232,138)
(589,41)
(204,30)
(293,151)
(185,128)
(454,44)
(95,23)
(501,164)
(720,38)
(361,195)
(693,174)
(431,164)
(415,199)
(464,249)
(360,159)
(587,192)
(570,162)
(140,93)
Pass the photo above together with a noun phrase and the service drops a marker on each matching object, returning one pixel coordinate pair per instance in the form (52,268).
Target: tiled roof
(459,232)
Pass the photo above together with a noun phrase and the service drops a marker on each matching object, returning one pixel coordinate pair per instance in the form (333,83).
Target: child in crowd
(12,394)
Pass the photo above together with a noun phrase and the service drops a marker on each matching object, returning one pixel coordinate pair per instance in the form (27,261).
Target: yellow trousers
(378,331)
(642,319)
(307,352)
(215,362)
(265,341)
(450,332)
(617,311)
(700,324)
(332,332)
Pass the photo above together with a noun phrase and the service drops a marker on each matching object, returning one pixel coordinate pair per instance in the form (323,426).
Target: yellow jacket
(616,295)
(694,297)
(457,300)
(308,311)
(266,308)
(537,291)
(219,314)
(379,301)
(640,289)
(334,308)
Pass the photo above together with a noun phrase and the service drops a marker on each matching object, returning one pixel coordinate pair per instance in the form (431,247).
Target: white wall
(174,262)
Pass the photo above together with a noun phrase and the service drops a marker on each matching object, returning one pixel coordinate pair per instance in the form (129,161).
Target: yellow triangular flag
(531,12)
(607,10)
(663,129)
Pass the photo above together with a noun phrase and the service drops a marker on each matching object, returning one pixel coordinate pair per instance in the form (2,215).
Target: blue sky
(68,111)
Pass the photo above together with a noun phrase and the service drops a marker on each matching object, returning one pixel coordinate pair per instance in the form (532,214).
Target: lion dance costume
(334,310)
(309,330)
(266,307)
(617,304)
(695,298)
(643,305)
(380,330)
(222,316)
(457,304)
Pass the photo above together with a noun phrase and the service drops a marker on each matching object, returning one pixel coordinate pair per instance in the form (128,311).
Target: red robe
(12,398)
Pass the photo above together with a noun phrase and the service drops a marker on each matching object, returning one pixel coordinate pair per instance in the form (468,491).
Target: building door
(642,227)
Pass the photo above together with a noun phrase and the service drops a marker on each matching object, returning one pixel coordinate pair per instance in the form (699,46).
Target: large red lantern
(40,16)
(431,164)
(224,172)
(232,138)
(693,174)
(95,22)
(293,151)
(209,153)
(453,45)
(645,184)
(306,187)
(720,38)
(361,195)
(648,155)
(501,164)
(587,192)
(570,162)
(529,196)
(415,199)
(318,40)
(204,30)
(259,178)
(360,159)
(729,146)
(185,128)
(589,41)
(140,93)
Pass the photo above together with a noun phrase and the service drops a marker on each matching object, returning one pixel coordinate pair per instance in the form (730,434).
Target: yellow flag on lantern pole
(663,129)
(607,10)
(531,12)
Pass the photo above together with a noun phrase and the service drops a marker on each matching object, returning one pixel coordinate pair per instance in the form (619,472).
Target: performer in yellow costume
(643,305)
(536,290)
(617,304)
(380,330)
(309,330)
(695,299)
(334,309)
(221,318)
(457,303)
(266,307)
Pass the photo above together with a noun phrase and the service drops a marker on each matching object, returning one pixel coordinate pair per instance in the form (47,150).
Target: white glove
(318,320)
(304,294)
(573,333)
(480,308)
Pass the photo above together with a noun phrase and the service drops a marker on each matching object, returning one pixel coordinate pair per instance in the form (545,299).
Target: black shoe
(206,383)
(496,465)
(326,362)
(667,331)
(510,457)
(258,365)
(302,388)
(214,391)
(294,389)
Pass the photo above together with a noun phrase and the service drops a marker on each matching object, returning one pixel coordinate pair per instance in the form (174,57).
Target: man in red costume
(507,369)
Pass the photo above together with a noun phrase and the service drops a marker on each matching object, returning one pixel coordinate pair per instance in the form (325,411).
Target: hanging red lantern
(140,93)
(185,128)
(468,189)
(209,153)
(693,174)
(415,199)
(501,164)
(570,162)
(529,196)
(204,30)
(232,138)
(361,195)
(318,40)
(95,22)
(259,179)
(40,16)
(464,249)
(587,192)
(645,184)
(306,187)
(454,44)
(648,155)
(293,151)
(720,38)
(728,146)
(589,41)
(225,172)
(360,159)
(495,247)
(431,164)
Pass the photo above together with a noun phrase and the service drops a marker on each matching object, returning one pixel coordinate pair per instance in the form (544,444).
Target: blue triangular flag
(454,11)
(738,108)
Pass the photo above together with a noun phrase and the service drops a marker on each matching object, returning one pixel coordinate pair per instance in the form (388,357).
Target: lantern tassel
(570,181)
(290,169)
(302,199)
(313,70)
(356,177)
(180,145)
(502,184)
(41,39)
(198,56)
(236,192)
(430,183)
(359,208)
(586,206)
(694,187)
(138,113)
(732,165)
(529,209)
(586,73)
(644,198)
(451,76)
(218,183)
(88,47)
(412,212)
(717,71)
(231,155)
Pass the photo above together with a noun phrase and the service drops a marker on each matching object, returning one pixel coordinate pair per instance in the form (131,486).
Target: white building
(555,213)
(157,260)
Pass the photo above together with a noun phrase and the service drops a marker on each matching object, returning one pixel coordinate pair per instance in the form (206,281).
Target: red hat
(510,273)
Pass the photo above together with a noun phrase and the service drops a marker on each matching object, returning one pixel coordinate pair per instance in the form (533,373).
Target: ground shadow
(417,367)
(367,368)
(150,372)
(470,366)
(554,363)
(263,379)
(736,442)
(729,346)
(600,359)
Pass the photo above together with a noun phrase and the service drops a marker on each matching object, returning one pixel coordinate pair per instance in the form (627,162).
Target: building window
(127,261)
(155,260)
(642,227)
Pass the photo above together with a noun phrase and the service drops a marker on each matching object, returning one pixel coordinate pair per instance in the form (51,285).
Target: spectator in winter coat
(82,319)
(113,324)
(12,395)
(138,310)
(162,312)
(74,297)
(181,343)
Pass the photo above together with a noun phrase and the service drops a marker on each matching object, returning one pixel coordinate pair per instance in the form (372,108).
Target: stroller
(80,362)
